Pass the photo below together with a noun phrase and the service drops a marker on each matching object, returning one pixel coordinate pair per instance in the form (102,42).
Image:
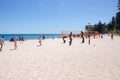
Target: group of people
(43,37)
(15,39)
(2,42)
(21,38)
(82,37)
(70,38)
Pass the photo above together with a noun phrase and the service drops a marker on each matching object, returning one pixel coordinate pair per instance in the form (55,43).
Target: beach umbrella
(12,39)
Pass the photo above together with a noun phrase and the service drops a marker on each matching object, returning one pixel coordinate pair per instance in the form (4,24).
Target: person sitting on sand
(15,42)
(1,43)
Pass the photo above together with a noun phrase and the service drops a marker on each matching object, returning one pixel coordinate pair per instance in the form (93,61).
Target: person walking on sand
(15,42)
(112,36)
(82,36)
(1,43)
(102,36)
(63,39)
(40,39)
(89,39)
(70,36)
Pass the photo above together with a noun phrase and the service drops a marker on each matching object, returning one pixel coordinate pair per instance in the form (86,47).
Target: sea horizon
(28,36)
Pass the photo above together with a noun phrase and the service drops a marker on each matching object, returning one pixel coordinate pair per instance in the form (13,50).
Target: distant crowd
(70,36)
(83,35)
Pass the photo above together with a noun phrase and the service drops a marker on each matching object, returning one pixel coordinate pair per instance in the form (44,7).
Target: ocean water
(7,37)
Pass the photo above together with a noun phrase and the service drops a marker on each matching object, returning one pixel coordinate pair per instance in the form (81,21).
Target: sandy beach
(57,61)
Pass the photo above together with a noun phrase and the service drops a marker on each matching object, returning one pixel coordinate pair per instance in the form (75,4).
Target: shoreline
(7,37)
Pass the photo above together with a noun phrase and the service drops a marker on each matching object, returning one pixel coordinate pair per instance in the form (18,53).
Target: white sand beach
(57,61)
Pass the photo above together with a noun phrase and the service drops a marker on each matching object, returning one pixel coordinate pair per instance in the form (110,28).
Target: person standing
(112,36)
(1,43)
(43,37)
(23,38)
(101,36)
(40,39)
(70,36)
(64,39)
(82,36)
(15,42)
(89,39)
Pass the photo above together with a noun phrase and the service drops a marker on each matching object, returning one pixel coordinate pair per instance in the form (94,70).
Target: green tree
(118,20)
(96,28)
(118,16)
(109,27)
(89,27)
(113,22)
(100,27)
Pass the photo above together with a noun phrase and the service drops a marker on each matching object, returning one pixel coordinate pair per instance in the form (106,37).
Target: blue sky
(53,16)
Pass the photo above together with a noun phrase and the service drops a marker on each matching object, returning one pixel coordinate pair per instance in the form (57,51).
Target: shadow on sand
(38,45)
(12,49)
